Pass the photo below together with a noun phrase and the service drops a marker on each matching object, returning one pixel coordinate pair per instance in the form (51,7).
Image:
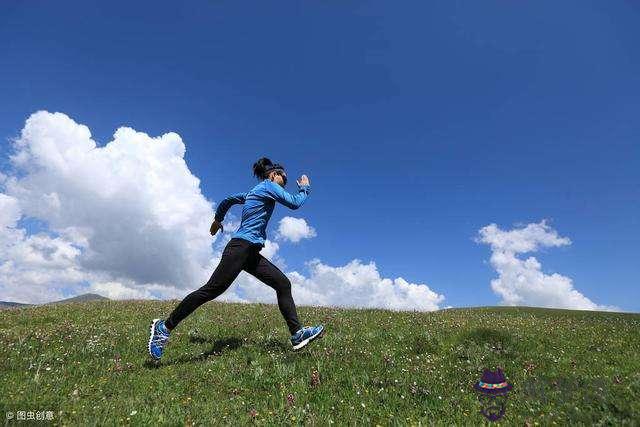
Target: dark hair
(260,167)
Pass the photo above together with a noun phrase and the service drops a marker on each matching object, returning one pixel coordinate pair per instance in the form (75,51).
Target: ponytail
(261,166)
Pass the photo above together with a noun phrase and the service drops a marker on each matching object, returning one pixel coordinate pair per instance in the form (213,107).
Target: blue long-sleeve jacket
(258,207)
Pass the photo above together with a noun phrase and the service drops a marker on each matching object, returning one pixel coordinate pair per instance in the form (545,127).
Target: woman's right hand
(303,180)
(215,226)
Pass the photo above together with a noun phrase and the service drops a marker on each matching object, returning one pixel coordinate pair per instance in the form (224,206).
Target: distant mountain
(9,304)
(77,298)
(80,298)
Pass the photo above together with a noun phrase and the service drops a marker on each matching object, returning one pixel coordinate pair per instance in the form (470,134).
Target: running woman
(242,252)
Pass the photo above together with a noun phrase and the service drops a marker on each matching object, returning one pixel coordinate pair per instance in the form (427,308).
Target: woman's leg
(264,270)
(233,259)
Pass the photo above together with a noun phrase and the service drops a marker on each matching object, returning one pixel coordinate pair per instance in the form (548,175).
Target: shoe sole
(308,340)
(151,329)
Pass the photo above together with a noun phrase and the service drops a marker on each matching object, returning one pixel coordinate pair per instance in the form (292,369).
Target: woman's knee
(284,285)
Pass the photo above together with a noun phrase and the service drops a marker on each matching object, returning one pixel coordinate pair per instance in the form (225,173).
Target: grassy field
(232,364)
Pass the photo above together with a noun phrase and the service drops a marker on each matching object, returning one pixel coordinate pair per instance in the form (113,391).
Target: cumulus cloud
(34,267)
(270,249)
(521,281)
(352,285)
(294,229)
(128,220)
(127,212)
(128,289)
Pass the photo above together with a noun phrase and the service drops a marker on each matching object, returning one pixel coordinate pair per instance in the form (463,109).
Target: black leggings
(238,255)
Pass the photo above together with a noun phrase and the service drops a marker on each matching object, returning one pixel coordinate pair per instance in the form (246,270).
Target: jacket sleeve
(226,203)
(279,194)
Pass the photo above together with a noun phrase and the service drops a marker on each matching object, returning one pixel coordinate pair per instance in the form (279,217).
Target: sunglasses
(283,175)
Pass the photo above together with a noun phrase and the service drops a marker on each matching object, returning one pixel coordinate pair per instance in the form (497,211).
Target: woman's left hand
(304,180)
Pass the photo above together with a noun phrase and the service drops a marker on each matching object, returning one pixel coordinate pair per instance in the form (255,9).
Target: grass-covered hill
(232,364)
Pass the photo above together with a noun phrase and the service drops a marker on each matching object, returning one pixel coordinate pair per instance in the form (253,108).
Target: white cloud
(521,281)
(131,290)
(294,229)
(130,211)
(270,249)
(352,285)
(32,265)
(128,220)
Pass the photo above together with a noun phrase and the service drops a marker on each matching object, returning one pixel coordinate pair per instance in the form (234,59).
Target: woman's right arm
(226,203)
(222,209)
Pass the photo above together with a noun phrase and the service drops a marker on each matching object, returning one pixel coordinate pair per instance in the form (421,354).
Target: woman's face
(279,177)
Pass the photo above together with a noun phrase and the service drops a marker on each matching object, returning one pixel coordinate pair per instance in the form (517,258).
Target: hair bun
(260,167)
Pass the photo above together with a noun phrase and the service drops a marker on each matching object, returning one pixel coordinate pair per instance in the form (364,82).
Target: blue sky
(418,124)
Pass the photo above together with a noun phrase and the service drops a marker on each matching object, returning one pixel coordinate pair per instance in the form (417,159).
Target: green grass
(232,364)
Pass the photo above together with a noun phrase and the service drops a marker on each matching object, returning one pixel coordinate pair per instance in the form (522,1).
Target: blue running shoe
(305,335)
(158,338)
